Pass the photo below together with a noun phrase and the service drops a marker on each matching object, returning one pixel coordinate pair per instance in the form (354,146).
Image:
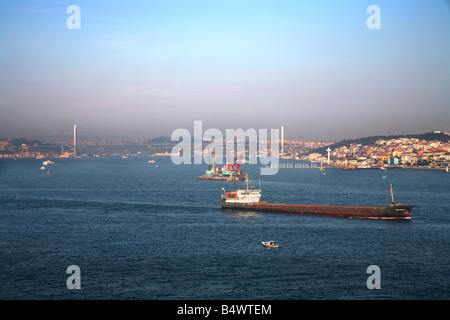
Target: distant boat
(151,161)
(42,168)
(321,167)
(124,157)
(270,244)
(47,163)
(229,172)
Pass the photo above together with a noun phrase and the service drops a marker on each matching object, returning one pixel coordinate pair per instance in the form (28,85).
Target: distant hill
(20,141)
(160,140)
(430,136)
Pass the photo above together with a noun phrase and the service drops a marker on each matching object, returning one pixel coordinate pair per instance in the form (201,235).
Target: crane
(238,165)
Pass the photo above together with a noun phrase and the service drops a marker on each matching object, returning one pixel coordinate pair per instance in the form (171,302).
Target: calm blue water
(143,232)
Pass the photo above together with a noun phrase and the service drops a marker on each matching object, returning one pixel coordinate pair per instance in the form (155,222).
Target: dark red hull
(224,178)
(397,211)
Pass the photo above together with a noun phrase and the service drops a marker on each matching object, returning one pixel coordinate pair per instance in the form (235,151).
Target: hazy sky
(145,68)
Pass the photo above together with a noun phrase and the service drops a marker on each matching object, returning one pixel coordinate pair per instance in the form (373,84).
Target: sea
(127,229)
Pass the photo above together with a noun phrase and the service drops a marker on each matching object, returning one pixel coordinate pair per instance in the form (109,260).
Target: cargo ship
(250,199)
(229,172)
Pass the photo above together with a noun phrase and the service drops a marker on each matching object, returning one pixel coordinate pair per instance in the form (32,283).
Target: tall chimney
(74,140)
(328,150)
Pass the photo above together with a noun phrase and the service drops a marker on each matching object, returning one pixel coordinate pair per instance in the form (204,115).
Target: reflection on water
(241,214)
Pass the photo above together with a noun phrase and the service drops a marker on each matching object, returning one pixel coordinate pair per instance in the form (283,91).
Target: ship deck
(389,212)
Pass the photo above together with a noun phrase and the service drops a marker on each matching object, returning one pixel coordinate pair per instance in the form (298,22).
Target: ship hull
(398,211)
(223,178)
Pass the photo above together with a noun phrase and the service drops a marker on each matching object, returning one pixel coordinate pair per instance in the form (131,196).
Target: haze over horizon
(145,68)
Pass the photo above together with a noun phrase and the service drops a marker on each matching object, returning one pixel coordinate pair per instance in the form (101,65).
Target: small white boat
(42,168)
(47,163)
(151,161)
(270,244)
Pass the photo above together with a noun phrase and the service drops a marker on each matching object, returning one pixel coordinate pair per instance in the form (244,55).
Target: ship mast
(392,195)
(209,164)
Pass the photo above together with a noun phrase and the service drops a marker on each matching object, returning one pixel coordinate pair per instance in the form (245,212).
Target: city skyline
(146,68)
